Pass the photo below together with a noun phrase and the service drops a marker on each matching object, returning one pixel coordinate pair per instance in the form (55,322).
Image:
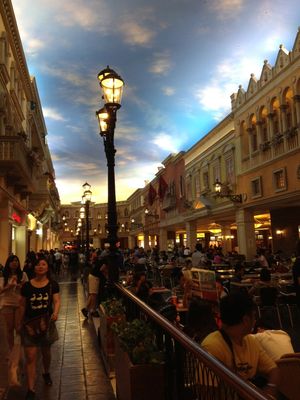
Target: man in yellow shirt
(233,345)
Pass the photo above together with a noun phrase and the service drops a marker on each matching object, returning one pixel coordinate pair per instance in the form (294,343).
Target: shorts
(44,341)
(93,284)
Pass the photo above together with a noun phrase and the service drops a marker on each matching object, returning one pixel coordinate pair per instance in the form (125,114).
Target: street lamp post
(87,196)
(112,87)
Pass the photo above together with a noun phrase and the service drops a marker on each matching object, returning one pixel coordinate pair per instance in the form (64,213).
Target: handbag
(38,327)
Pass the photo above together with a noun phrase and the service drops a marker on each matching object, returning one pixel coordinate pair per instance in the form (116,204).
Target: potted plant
(138,362)
(111,311)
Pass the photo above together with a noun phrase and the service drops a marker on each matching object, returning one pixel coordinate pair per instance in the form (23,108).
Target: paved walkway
(77,369)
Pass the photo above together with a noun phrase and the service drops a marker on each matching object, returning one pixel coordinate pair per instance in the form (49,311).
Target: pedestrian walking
(11,282)
(40,305)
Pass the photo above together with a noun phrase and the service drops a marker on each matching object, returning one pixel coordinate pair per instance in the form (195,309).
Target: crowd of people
(30,302)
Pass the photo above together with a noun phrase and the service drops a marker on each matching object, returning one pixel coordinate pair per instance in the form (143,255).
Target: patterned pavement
(77,369)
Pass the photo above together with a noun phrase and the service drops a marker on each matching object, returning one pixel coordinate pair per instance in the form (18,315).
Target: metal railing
(191,372)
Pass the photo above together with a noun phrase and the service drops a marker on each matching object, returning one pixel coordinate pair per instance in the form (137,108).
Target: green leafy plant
(138,340)
(113,307)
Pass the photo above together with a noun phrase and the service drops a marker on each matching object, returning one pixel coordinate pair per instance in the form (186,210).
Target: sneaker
(85,312)
(30,395)
(47,379)
(95,314)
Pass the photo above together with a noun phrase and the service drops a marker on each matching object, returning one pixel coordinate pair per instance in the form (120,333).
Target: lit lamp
(82,212)
(112,88)
(222,191)
(149,213)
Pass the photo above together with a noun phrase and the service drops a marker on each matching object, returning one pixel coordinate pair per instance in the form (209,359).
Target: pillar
(146,241)
(21,243)
(226,233)
(131,241)
(246,233)
(163,239)
(191,234)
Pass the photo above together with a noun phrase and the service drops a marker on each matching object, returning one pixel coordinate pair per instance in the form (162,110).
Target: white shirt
(11,297)
(276,343)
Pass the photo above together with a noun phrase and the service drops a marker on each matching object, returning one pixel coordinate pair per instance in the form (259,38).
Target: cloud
(166,142)
(215,95)
(52,114)
(136,34)
(162,64)
(168,91)
(226,9)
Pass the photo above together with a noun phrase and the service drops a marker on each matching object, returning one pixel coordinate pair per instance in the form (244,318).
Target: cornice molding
(15,42)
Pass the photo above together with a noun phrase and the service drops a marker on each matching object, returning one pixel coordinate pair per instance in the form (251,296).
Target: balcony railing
(191,373)
(280,144)
(15,163)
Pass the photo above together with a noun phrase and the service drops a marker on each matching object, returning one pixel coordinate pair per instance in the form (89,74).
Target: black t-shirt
(38,300)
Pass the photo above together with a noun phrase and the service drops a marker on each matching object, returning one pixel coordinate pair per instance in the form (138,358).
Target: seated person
(184,288)
(265,289)
(275,342)
(141,287)
(200,320)
(235,347)
(222,291)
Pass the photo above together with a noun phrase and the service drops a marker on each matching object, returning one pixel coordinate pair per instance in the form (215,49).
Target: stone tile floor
(77,369)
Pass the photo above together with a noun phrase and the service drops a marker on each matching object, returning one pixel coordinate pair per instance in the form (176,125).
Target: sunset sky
(180,60)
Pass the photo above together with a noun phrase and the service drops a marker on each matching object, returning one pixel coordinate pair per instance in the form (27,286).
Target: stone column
(282,119)
(270,125)
(226,233)
(191,234)
(131,241)
(246,233)
(163,239)
(21,243)
(259,133)
(146,241)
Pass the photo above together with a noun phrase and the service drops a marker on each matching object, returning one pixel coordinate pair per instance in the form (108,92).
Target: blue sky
(180,60)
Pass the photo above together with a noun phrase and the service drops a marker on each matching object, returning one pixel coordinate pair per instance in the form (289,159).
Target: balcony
(15,164)
(46,193)
(169,202)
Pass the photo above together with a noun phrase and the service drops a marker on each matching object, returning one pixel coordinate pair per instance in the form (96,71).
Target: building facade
(96,222)
(29,200)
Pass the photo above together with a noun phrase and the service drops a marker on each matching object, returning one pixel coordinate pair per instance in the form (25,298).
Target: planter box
(136,382)
(106,339)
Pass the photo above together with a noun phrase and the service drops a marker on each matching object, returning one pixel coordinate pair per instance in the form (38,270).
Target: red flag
(151,195)
(162,188)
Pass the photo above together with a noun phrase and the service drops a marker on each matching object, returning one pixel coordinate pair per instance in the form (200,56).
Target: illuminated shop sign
(16,217)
